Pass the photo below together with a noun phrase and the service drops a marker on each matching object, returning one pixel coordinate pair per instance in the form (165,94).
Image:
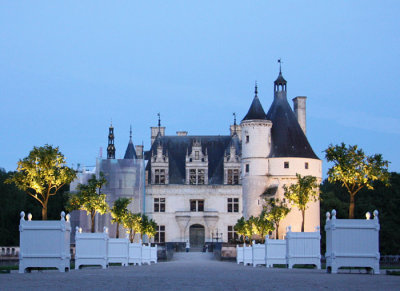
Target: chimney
(299,105)
(154,132)
(139,151)
(181,133)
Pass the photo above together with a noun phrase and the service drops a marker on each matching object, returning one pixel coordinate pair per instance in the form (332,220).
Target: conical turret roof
(256,110)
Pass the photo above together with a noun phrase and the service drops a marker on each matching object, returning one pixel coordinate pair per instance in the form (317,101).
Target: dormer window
(159,167)
(196,165)
(159,176)
(233,177)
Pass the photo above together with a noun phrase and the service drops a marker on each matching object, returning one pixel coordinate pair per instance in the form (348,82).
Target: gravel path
(195,271)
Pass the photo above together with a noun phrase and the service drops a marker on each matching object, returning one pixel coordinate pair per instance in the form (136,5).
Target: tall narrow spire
(130,132)
(234,124)
(111,147)
(256,90)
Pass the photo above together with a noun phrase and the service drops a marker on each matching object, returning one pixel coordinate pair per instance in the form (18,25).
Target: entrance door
(196,236)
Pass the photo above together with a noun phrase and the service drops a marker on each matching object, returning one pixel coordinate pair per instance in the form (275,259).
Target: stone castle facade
(197,187)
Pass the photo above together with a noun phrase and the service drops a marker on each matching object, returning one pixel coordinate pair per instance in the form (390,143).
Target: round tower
(256,143)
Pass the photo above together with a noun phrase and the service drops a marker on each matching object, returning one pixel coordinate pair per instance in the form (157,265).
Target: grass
(393,273)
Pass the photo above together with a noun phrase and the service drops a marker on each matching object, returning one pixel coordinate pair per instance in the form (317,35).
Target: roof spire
(234,123)
(256,90)
(130,132)
(280,67)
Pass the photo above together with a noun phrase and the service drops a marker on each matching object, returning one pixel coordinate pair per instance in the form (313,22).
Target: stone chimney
(181,133)
(154,132)
(299,105)
(139,151)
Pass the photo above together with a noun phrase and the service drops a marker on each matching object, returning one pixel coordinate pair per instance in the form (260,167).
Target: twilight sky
(68,68)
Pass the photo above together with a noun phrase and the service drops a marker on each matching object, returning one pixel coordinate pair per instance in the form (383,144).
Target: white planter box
(135,253)
(44,243)
(153,254)
(247,255)
(239,254)
(118,251)
(275,252)
(146,254)
(352,243)
(303,248)
(258,254)
(91,248)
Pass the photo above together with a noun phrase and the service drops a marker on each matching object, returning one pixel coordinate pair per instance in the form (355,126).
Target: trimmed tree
(302,192)
(41,174)
(276,210)
(148,226)
(132,222)
(240,228)
(355,170)
(261,225)
(119,211)
(89,198)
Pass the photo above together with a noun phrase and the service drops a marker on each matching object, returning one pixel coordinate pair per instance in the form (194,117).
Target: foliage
(148,226)
(42,174)
(240,227)
(132,222)
(119,211)
(275,211)
(355,170)
(385,199)
(304,191)
(89,198)
(261,225)
(14,200)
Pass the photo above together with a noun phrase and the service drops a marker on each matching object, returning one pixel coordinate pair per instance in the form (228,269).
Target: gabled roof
(130,152)
(287,137)
(177,146)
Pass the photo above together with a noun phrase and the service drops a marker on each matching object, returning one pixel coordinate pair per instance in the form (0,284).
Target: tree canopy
(355,170)
(132,222)
(42,174)
(275,211)
(301,193)
(89,198)
(119,211)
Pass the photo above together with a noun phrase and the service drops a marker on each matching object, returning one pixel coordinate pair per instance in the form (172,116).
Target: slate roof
(177,146)
(287,137)
(130,152)
(256,110)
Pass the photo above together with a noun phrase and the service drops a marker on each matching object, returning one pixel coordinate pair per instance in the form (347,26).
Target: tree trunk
(303,214)
(351,208)
(92,215)
(44,212)
(117,235)
(277,231)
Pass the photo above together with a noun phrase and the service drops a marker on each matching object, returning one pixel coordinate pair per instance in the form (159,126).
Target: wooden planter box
(91,248)
(258,253)
(135,253)
(303,248)
(352,243)
(44,243)
(275,252)
(118,251)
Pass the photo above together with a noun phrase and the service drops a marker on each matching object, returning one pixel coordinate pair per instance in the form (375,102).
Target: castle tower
(256,142)
(111,147)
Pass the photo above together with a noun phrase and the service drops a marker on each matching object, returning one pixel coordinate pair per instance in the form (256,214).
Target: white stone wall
(177,217)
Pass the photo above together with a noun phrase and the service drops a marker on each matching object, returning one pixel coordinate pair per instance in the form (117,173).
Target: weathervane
(280,63)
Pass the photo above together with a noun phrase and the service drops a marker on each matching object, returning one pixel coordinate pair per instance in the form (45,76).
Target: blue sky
(68,68)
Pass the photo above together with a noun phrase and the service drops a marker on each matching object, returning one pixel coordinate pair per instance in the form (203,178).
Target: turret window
(286,165)
(247,138)
(247,168)
(306,166)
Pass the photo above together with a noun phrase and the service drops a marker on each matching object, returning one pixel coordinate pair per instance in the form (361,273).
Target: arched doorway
(196,236)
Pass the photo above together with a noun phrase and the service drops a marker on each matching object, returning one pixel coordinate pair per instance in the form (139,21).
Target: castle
(197,187)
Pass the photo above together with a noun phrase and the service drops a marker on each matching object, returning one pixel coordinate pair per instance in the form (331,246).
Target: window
(196,176)
(306,166)
(196,205)
(159,204)
(160,235)
(286,165)
(233,204)
(232,235)
(247,138)
(159,176)
(247,168)
(233,177)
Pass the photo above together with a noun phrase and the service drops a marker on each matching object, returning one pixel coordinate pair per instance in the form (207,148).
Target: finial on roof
(159,119)
(280,63)
(130,132)
(111,123)
(234,123)
(256,90)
